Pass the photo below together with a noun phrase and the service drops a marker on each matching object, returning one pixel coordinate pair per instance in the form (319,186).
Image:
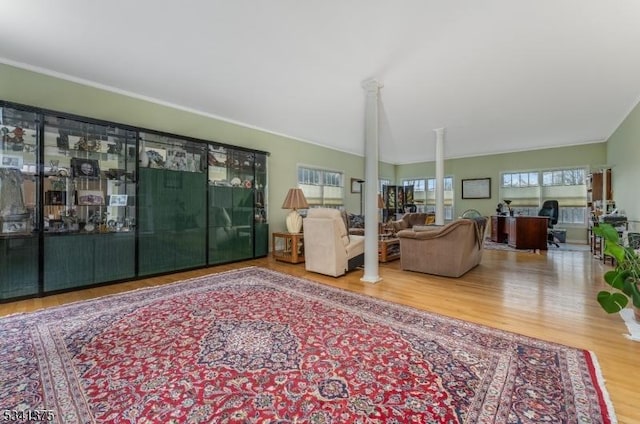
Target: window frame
(571,176)
(322,177)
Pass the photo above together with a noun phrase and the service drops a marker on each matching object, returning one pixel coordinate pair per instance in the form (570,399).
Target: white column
(439,176)
(371,147)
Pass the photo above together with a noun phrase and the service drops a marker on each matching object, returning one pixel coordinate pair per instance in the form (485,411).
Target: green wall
(26,87)
(491,165)
(623,154)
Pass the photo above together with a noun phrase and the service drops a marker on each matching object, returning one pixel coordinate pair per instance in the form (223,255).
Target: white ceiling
(499,75)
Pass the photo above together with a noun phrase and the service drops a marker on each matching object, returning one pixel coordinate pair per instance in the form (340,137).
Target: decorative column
(371,148)
(439,176)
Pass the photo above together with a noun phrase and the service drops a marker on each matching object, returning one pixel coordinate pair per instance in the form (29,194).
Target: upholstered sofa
(408,220)
(328,247)
(449,250)
(355,224)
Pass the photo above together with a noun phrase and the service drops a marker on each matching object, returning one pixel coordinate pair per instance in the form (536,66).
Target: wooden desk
(520,232)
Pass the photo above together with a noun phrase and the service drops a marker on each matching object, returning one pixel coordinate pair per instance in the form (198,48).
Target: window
(321,187)
(383,182)
(528,190)
(569,187)
(424,195)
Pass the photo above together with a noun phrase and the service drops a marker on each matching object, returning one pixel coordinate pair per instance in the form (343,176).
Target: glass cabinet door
(89,203)
(172,206)
(260,212)
(19,188)
(85,202)
(232,211)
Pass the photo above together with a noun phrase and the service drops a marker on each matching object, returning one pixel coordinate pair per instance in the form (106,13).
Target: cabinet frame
(257,231)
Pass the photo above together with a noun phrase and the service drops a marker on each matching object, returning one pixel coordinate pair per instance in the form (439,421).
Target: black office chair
(550,208)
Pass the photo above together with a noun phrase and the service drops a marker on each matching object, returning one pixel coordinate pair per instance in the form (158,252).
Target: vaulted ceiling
(499,75)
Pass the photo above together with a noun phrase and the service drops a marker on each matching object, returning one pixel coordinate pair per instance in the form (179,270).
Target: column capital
(439,131)
(372,85)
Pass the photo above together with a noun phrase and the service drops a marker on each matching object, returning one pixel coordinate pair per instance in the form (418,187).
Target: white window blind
(321,187)
(528,190)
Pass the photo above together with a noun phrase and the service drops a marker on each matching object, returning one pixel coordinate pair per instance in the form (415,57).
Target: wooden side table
(388,249)
(288,247)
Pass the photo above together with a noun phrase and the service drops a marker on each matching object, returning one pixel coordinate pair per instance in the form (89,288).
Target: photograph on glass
(86,168)
(118,200)
(90,198)
(11,161)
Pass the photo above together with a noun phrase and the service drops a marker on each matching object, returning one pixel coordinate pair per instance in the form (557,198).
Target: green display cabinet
(172,216)
(19,212)
(86,202)
(261,240)
(114,256)
(230,224)
(18,266)
(77,260)
(68,261)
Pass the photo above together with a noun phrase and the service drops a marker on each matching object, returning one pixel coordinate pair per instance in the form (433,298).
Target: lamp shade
(380,202)
(295,199)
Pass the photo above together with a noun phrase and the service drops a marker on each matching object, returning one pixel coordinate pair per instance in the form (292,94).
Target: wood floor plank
(550,296)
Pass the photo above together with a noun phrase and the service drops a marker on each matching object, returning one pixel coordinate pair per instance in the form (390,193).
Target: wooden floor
(549,296)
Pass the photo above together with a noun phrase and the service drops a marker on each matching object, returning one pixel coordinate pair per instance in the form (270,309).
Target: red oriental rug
(257,346)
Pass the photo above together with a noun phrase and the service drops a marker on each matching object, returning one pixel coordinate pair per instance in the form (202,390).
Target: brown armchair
(410,219)
(449,250)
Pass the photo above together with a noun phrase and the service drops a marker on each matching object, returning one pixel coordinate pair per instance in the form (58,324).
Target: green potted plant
(624,278)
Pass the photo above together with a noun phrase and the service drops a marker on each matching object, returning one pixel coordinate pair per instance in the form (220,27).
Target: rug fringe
(601,386)
(632,325)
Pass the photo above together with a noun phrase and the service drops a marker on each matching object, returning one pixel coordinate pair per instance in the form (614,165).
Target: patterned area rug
(491,245)
(564,247)
(257,346)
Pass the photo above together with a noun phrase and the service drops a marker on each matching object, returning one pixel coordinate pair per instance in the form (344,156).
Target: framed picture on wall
(476,188)
(356,185)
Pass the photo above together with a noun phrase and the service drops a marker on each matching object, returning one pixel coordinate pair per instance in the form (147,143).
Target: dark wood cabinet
(596,186)
(498,233)
(520,232)
(527,232)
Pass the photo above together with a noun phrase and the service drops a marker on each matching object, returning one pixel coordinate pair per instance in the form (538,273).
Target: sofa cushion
(345,220)
(355,221)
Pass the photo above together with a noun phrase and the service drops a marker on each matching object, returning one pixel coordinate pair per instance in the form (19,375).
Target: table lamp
(295,200)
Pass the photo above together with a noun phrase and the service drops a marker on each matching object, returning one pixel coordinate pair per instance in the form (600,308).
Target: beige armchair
(449,250)
(328,247)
